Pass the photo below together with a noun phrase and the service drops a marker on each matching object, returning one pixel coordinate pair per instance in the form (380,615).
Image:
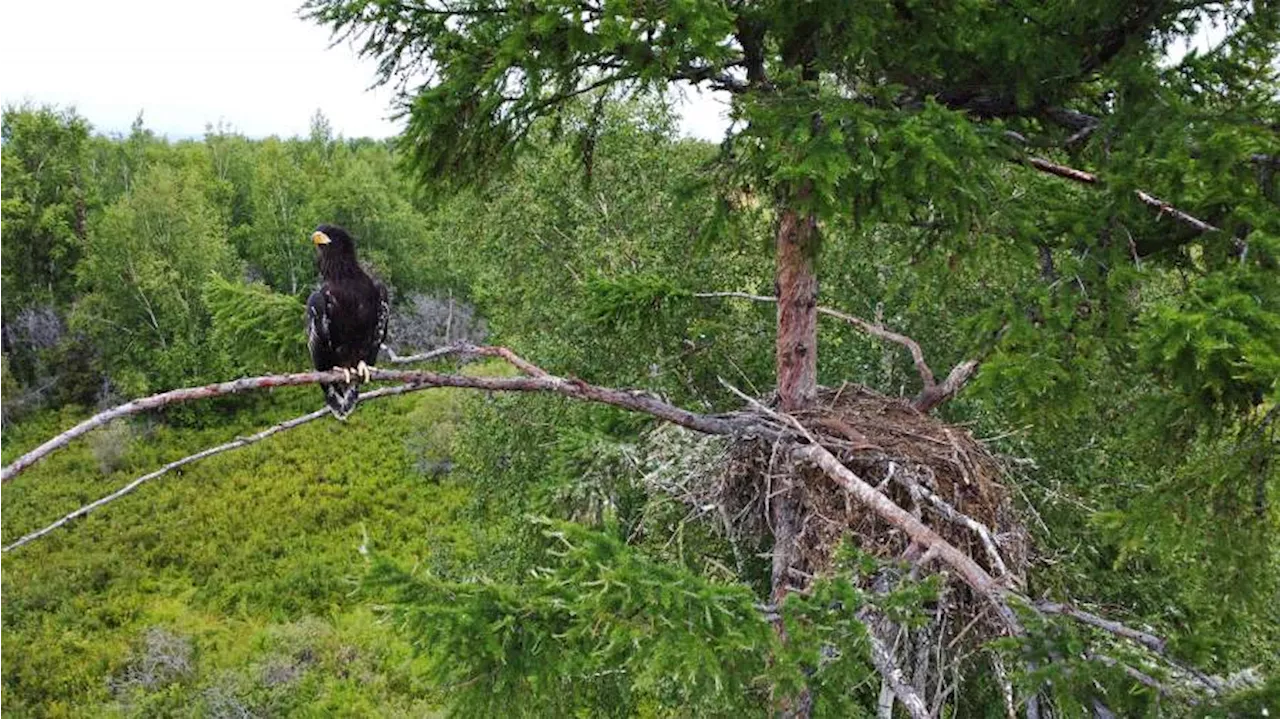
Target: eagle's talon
(365,371)
(346,374)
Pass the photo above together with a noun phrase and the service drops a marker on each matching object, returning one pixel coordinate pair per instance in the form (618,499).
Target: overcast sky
(252,64)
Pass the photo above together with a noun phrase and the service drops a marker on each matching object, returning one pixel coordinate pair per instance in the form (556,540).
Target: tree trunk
(797,370)
(797,342)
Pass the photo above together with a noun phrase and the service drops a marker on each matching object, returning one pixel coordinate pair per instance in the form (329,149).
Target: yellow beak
(320,238)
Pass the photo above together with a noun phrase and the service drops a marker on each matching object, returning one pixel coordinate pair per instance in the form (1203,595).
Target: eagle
(346,317)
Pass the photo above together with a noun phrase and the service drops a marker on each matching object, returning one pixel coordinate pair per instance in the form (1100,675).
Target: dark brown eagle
(346,317)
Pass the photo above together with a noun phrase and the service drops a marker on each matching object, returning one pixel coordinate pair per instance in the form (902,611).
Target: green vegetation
(502,555)
(240,573)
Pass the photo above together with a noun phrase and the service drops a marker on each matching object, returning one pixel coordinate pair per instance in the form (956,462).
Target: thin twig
(917,354)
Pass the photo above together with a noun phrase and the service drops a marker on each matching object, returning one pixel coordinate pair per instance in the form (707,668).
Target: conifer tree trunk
(797,373)
(797,339)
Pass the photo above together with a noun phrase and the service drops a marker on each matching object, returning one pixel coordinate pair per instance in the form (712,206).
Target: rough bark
(796,363)
(797,339)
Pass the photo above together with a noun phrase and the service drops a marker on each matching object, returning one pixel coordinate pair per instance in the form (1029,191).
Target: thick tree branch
(970,571)
(635,400)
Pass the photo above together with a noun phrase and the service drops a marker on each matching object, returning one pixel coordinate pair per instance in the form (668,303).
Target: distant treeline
(134,264)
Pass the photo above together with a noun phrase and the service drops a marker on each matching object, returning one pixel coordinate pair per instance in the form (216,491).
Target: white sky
(252,64)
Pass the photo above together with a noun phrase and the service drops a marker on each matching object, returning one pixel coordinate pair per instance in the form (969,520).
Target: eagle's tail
(341,397)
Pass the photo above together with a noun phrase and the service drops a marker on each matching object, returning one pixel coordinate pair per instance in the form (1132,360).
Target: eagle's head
(335,250)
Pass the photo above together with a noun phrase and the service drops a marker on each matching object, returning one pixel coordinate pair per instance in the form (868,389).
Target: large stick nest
(936,471)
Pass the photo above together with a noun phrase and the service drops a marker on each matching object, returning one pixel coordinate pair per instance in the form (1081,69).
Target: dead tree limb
(882,659)
(1088,178)
(1146,639)
(634,400)
(932,394)
(236,443)
(917,354)
(970,571)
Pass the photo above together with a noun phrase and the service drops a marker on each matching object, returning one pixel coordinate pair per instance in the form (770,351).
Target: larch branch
(634,400)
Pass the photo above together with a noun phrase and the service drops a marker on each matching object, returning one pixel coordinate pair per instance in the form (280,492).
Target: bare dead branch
(917,354)
(634,400)
(931,397)
(1135,674)
(1088,178)
(1146,639)
(970,571)
(882,659)
(932,394)
(954,515)
(1167,209)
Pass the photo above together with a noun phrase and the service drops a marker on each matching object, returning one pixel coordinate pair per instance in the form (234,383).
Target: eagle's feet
(365,371)
(346,374)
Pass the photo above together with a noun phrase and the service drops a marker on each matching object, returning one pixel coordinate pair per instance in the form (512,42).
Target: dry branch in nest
(937,473)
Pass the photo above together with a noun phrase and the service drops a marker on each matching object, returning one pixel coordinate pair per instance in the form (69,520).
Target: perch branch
(1088,178)
(237,443)
(634,400)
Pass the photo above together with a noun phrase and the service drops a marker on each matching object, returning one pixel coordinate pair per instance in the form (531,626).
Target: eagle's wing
(322,355)
(379,336)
